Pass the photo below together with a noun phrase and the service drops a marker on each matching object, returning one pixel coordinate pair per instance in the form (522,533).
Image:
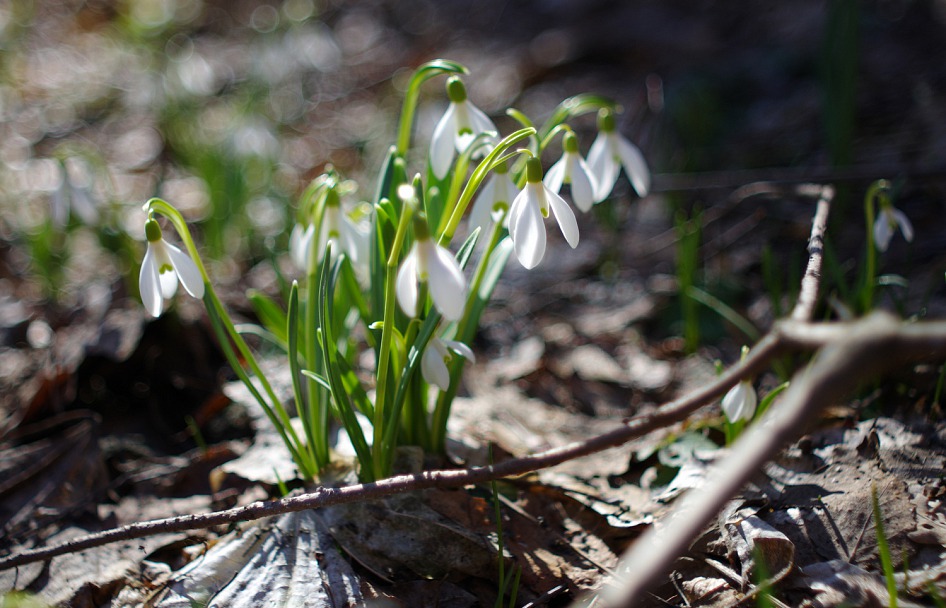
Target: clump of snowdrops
(393,279)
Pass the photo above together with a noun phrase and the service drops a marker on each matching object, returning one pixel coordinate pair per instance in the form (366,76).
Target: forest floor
(109,417)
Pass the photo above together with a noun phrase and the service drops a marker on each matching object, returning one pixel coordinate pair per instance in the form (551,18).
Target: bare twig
(911,342)
(857,351)
(808,295)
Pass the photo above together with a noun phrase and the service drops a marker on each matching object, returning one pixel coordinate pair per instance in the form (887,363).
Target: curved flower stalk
(888,220)
(335,227)
(572,169)
(531,206)
(495,197)
(740,402)
(462,123)
(611,151)
(439,352)
(430,264)
(163,267)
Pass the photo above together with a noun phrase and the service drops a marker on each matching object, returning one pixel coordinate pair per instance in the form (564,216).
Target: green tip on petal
(606,120)
(152,230)
(570,143)
(534,170)
(456,90)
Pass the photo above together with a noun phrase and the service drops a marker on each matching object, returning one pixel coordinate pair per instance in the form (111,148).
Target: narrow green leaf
(269,313)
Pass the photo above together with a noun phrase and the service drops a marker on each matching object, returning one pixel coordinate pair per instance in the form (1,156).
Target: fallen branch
(877,343)
(851,353)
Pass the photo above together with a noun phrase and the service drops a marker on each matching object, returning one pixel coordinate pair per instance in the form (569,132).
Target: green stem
(490,162)
(438,425)
(157,205)
(876,190)
(380,451)
(421,75)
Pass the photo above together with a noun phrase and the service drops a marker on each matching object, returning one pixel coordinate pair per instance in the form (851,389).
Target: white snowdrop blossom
(531,206)
(886,224)
(429,263)
(740,402)
(460,125)
(337,228)
(572,169)
(433,365)
(495,197)
(163,267)
(73,196)
(611,151)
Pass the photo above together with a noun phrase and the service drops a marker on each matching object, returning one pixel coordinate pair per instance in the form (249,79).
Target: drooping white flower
(75,196)
(429,263)
(165,265)
(886,224)
(336,227)
(740,402)
(611,151)
(496,196)
(531,206)
(433,365)
(460,125)
(572,169)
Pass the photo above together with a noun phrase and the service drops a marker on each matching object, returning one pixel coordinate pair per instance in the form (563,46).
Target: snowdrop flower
(611,151)
(429,263)
(740,402)
(74,196)
(887,222)
(572,169)
(460,125)
(494,197)
(531,206)
(433,365)
(336,228)
(164,265)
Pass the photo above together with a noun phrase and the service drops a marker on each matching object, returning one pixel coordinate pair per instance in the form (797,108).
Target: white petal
(904,222)
(84,206)
(883,231)
(603,165)
(446,283)
(634,165)
(166,275)
(555,176)
(442,145)
(740,402)
(481,214)
(527,230)
(355,240)
(59,205)
(479,121)
(406,286)
(461,349)
(565,217)
(149,286)
(187,270)
(583,184)
(433,367)
(299,242)
(515,210)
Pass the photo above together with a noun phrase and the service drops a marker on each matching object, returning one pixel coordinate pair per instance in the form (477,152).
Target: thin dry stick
(859,350)
(768,348)
(852,352)
(808,294)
